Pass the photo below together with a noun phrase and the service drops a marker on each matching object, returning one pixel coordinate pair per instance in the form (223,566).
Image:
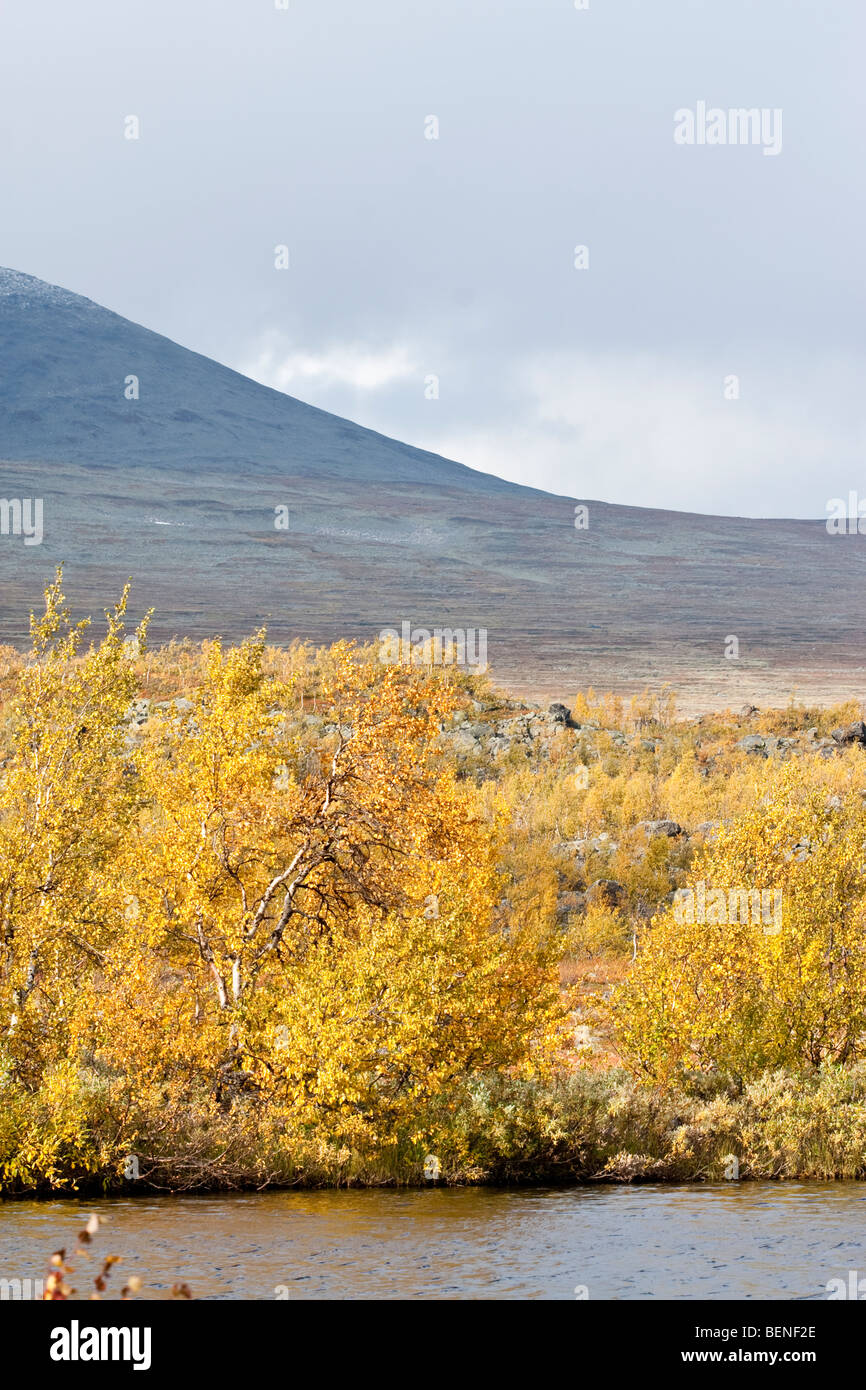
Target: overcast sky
(454,257)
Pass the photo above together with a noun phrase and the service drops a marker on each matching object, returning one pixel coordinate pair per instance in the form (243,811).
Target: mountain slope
(179,488)
(62,397)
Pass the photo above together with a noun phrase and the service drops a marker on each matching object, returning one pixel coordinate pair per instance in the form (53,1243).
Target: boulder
(138,712)
(591,844)
(597,844)
(801,850)
(605,892)
(753,743)
(180,705)
(655,828)
(851,733)
(708,829)
(517,727)
(478,730)
(560,714)
(463,740)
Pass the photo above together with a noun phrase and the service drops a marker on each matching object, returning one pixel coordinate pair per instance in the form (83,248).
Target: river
(747,1241)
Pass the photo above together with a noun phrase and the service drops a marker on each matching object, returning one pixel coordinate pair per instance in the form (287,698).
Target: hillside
(178,489)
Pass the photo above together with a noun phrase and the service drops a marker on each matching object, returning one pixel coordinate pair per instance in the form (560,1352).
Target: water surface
(745,1241)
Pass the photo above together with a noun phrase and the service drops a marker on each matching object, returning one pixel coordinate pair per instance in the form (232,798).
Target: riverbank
(590,1127)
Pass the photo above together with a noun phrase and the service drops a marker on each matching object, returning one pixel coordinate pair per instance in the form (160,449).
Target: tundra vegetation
(296,916)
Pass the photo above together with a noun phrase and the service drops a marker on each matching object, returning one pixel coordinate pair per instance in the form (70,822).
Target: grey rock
(513,729)
(655,828)
(179,706)
(463,740)
(851,733)
(478,730)
(753,743)
(801,850)
(605,891)
(138,712)
(590,844)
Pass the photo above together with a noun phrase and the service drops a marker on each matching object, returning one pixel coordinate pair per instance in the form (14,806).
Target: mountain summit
(233,505)
(66,395)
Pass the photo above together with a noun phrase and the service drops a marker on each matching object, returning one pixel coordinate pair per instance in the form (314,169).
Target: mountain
(63,399)
(177,486)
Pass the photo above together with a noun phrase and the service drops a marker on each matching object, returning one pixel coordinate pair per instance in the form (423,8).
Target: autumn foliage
(224,919)
(299,916)
(742,990)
